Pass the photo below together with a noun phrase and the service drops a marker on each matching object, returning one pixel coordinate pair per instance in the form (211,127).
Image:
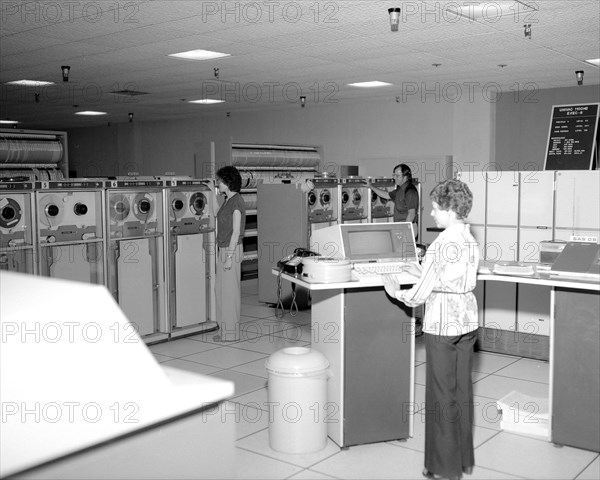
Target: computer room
(116,147)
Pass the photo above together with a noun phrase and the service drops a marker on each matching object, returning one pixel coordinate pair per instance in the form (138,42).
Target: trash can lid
(296,361)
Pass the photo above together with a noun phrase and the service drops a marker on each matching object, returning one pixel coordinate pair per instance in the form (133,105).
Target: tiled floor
(499,454)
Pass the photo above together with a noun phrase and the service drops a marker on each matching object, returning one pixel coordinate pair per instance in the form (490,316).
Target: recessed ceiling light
(595,62)
(373,84)
(90,113)
(206,101)
(9,122)
(30,83)
(199,55)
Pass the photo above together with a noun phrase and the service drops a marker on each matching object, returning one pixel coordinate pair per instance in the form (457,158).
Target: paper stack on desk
(513,268)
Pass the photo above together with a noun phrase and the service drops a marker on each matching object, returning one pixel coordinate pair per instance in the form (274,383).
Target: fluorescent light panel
(594,61)
(90,113)
(206,101)
(9,122)
(372,84)
(199,55)
(30,83)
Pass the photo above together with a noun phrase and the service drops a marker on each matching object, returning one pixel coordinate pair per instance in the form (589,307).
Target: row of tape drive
(342,200)
(149,241)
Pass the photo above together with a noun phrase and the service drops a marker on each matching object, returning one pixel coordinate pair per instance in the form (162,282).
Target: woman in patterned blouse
(450,325)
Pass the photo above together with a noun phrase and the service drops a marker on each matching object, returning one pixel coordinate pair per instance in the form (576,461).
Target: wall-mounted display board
(572,137)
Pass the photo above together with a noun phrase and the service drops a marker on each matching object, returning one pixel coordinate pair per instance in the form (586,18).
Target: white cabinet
(577,202)
(537,198)
(502,199)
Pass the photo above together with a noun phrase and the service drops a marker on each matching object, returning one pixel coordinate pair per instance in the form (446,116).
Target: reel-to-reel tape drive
(133,214)
(323,200)
(354,199)
(70,230)
(69,211)
(17,232)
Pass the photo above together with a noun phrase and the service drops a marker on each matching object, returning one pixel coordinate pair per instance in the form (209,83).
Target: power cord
(279,308)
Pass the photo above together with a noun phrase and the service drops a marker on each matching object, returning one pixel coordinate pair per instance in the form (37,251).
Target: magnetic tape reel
(119,208)
(11,213)
(51,211)
(143,206)
(198,203)
(178,204)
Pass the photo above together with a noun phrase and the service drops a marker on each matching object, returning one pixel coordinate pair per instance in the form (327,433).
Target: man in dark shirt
(405,196)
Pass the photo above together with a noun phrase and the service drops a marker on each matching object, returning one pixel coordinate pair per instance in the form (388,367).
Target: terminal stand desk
(368,339)
(574,397)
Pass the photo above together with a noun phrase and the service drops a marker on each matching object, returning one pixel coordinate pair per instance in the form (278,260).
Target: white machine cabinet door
(537,198)
(502,198)
(578,199)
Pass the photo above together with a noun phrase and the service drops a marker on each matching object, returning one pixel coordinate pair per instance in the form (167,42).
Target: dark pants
(449,404)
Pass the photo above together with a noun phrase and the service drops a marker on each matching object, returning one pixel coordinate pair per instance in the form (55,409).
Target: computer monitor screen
(365,242)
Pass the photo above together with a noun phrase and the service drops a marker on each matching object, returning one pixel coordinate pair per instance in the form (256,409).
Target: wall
(347,132)
(523,120)
(511,132)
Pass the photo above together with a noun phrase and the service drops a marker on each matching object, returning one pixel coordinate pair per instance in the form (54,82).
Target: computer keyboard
(370,273)
(380,268)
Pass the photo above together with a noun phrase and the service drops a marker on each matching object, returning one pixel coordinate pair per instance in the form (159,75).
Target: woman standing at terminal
(450,327)
(231,218)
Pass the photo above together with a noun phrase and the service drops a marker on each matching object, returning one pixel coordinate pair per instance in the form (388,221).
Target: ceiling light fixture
(372,84)
(90,113)
(130,117)
(199,55)
(8,122)
(30,83)
(594,61)
(216,73)
(527,31)
(394,18)
(579,76)
(302,101)
(65,72)
(206,101)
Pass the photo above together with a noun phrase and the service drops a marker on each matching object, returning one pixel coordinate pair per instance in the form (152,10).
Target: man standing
(405,196)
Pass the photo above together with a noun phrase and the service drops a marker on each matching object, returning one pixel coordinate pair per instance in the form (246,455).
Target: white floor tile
(180,347)
(527,369)
(247,420)
(267,344)
(592,471)
(531,458)
(375,461)
(259,443)
(486,362)
(225,357)
(256,367)
(496,387)
(243,383)
(309,474)
(256,399)
(250,465)
(195,367)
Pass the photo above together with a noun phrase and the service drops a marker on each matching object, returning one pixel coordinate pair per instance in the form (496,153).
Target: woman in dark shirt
(231,218)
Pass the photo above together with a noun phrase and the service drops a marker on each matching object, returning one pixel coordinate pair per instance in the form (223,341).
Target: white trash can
(297,393)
